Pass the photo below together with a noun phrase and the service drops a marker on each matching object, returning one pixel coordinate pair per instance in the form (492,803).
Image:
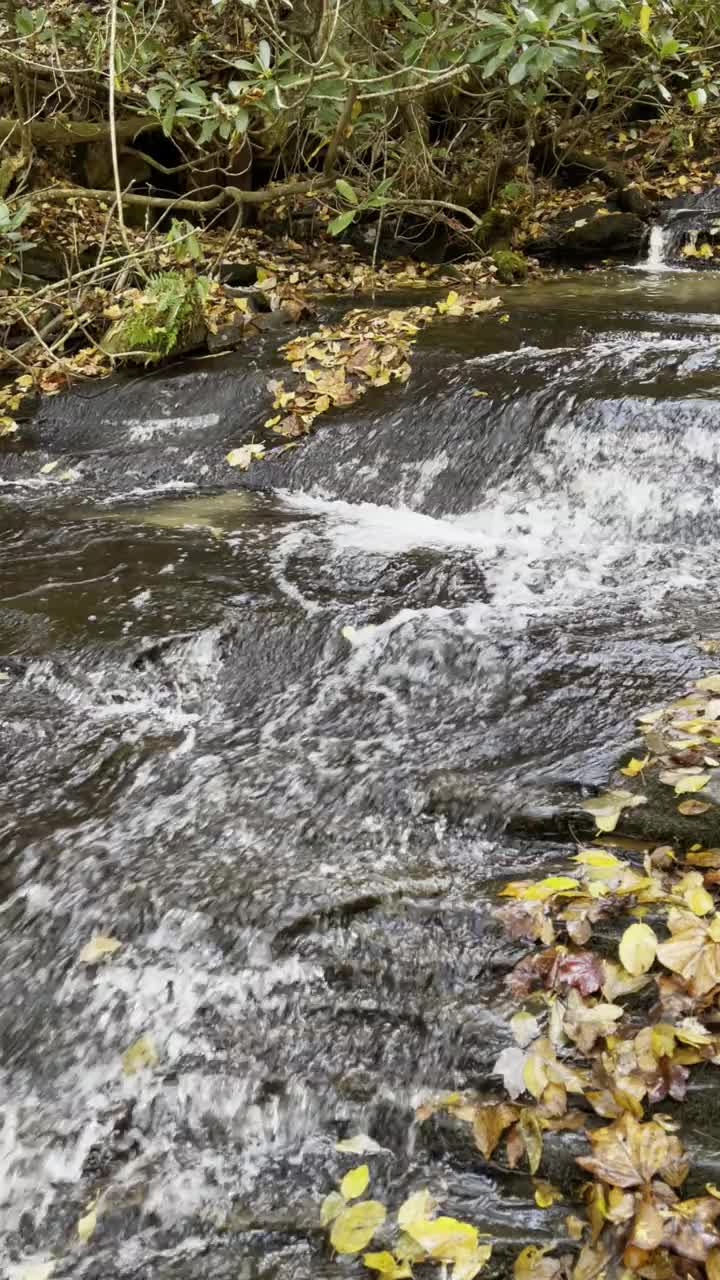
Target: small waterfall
(656,260)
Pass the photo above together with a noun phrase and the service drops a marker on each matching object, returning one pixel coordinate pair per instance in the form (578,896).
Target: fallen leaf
(87,1224)
(242,457)
(97,947)
(354,1228)
(693,808)
(418,1205)
(607,807)
(355,1182)
(387,1265)
(360,1145)
(139,1055)
(638,948)
(332,1205)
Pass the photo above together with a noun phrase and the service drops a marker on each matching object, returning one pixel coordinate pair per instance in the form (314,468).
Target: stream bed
(223,701)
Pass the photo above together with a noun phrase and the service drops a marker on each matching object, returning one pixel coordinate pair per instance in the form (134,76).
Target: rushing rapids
(222,708)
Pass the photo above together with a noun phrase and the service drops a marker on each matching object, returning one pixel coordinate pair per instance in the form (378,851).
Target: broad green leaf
(355,1182)
(354,1228)
(518,71)
(342,221)
(346,191)
(638,948)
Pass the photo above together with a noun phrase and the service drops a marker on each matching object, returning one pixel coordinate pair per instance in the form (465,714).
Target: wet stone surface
(223,710)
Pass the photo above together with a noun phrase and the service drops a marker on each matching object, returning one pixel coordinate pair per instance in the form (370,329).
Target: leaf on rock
(489,1124)
(355,1182)
(418,1205)
(354,1228)
(607,807)
(691,784)
(332,1205)
(628,1153)
(693,808)
(638,948)
(87,1224)
(361,1144)
(139,1055)
(525,1028)
(635,766)
(533,1264)
(693,950)
(443,1238)
(242,457)
(97,947)
(546,1194)
(387,1265)
(531,1134)
(510,1065)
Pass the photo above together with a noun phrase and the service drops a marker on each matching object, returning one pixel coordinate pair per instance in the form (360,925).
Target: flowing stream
(221,714)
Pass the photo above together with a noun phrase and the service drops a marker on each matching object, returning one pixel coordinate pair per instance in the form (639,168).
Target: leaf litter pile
(337,364)
(620,1001)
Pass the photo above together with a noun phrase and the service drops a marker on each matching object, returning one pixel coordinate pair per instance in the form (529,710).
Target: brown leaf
(582,970)
(628,1153)
(490,1123)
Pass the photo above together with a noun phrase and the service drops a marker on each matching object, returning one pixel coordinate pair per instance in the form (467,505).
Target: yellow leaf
(546,1194)
(87,1224)
(525,1027)
(358,1145)
(443,1238)
(638,948)
(25,380)
(355,1227)
(635,766)
(534,1075)
(98,947)
(332,1205)
(418,1205)
(48,468)
(355,1182)
(694,783)
(644,19)
(140,1054)
(599,858)
(546,888)
(387,1265)
(699,901)
(242,457)
(531,1134)
(469,1262)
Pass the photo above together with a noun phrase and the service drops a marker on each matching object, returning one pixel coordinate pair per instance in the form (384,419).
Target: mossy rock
(166,320)
(511,266)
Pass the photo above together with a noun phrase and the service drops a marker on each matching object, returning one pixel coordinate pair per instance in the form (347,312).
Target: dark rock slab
(591,230)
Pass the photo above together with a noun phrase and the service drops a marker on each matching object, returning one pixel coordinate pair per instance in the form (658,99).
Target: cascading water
(656,260)
(219,719)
